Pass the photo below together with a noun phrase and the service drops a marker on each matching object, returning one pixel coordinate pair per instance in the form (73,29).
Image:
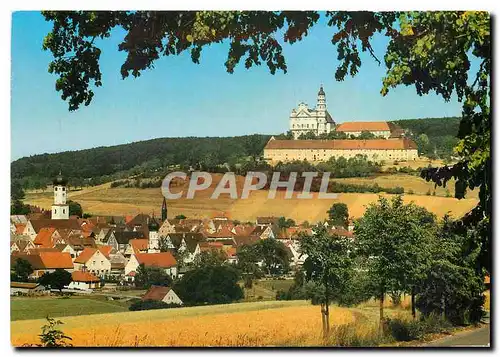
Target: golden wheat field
(128,201)
(292,323)
(418,185)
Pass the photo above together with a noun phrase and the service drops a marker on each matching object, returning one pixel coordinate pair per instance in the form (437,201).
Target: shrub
(51,336)
(435,323)
(151,305)
(403,330)
(428,193)
(410,192)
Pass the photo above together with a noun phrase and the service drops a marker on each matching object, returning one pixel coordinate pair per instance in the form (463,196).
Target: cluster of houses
(113,247)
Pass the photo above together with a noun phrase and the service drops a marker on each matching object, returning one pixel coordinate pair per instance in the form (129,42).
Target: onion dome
(321,91)
(153,225)
(59,180)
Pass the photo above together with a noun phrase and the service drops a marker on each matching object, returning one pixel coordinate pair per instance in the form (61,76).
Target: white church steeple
(60,209)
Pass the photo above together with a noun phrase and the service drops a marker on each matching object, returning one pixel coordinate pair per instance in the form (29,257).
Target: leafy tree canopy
(22,269)
(338,214)
(58,279)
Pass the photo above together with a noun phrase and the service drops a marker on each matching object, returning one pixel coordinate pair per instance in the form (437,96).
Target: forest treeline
(153,158)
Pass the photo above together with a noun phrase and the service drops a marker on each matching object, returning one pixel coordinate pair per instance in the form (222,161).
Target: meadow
(273,323)
(129,201)
(24,308)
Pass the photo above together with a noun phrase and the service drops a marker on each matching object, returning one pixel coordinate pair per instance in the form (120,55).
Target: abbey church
(389,143)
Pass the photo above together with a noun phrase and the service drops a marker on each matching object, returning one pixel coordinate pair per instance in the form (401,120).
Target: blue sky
(180,98)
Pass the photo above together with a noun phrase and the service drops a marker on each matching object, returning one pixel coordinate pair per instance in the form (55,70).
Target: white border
(5,33)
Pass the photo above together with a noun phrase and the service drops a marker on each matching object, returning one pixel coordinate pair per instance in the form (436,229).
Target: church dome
(60,180)
(153,225)
(321,91)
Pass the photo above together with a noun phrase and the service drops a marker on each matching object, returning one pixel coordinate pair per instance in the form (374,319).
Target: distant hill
(102,164)
(152,157)
(441,134)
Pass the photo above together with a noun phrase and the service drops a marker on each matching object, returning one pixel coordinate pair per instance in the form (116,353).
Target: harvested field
(123,201)
(245,324)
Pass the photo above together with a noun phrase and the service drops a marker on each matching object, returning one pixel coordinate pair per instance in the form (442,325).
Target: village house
(45,262)
(263,232)
(165,261)
(17,288)
(66,248)
(120,239)
(33,226)
(136,246)
(93,260)
(162,293)
(21,246)
(84,280)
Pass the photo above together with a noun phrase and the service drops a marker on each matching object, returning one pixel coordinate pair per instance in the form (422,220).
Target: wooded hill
(103,164)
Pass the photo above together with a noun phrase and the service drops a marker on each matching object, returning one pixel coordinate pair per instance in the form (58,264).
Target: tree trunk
(381,311)
(413,307)
(327,318)
(323,320)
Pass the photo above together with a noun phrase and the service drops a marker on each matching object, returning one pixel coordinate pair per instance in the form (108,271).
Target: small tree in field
(329,265)
(22,270)
(394,238)
(338,215)
(56,280)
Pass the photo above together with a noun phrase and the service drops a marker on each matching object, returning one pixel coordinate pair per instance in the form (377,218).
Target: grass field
(418,185)
(38,308)
(128,201)
(266,289)
(273,323)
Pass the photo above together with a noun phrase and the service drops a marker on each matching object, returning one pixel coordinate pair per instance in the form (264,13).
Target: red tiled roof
(156,293)
(486,279)
(161,260)
(55,223)
(105,250)
(84,276)
(246,240)
(20,228)
(18,284)
(85,255)
(44,237)
(54,260)
(374,144)
(363,126)
(342,232)
(46,260)
(139,245)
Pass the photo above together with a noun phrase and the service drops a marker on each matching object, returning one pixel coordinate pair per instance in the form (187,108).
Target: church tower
(154,239)
(164,210)
(321,112)
(321,103)
(60,209)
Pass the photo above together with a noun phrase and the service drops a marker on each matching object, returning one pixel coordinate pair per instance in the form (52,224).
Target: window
(64,211)
(55,211)
(64,189)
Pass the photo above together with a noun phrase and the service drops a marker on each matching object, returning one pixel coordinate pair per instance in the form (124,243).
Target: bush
(408,330)
(402,330)
(410,192)
(151,305)
(428,192)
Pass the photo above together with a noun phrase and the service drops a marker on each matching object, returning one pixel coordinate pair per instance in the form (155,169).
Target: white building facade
(60,209)
(316,120)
